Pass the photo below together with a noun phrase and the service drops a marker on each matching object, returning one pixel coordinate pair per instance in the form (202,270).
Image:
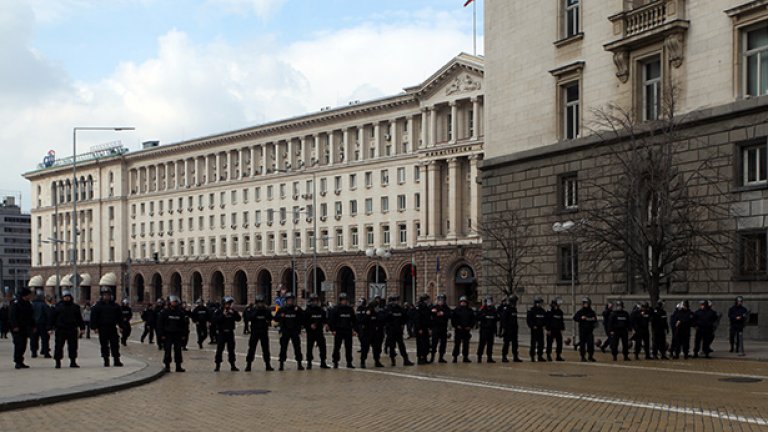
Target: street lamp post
(377,254)
(566,227)
(76,280)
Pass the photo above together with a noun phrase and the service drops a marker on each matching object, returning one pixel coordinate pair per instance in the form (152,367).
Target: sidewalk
(42,384)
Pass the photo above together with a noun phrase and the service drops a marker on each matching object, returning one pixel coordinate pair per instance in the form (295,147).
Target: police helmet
(586,300)
(619,304)
(537,300)
(105,290)
(228,299)
(424,298)
(313,297)
(686,304)
(702,302)
(259,298)
(160,302)
(558,301)
(125,301)
(441,296)
(463,299)
(173,298)
(66,293)
(646,305)
(361,300)
(342,296)
(512,299)
(739,299)
(488,300)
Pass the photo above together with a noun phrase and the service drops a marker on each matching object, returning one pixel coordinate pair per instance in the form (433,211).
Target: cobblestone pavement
(570,396)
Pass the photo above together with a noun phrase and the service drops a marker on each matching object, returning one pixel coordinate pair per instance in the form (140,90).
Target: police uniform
(343,323)
(619,325)
(172,324)
(536,319)
(422,324)
(315,320)
(373,325)
(396,320)
(659,328)
(555,326)
(125,322)
(106,317)
(640,319)
(149,316)
(22,321)
(586,319)
(440,317)
(290,318)
(67,323)
(225,320)
(463,320)
(510,328)
(259,319)
(487,318)
(683,321)
(738,316)
(201,316)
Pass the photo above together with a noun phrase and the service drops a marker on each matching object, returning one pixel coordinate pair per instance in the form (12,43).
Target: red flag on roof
(469,2)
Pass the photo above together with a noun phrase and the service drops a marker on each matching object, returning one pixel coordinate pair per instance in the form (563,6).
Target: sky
(183,69)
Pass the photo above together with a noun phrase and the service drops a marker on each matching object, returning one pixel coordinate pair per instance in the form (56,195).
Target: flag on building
(413,266)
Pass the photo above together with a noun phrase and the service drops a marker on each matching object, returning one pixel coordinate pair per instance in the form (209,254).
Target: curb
(146,375)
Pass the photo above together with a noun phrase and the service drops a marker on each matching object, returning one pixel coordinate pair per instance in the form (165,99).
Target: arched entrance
(217,286)
(175,285)
(264,282)
(138,288)
(287,279)
(465,284)
(241,288)
(316,285)
(157,286)
(408,284)
(197,286)
(346,282)
(377,285)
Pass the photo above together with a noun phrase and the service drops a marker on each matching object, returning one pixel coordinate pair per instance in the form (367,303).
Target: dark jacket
(659,322)
(260,319)
(373,319)
(149,316)
(509,318)
(440,316)
(586,319)
(342,318)
(42,313)
(127,314)
(738,316)
(105,315)
(619,321)
(226,322)
(487,318)
(536,317)
(67,317)
(290,318)
(172,321)
(683,319)
(395,318)
(315,316)
(21,316)
(463,318)
(554,320)
(201,315)
(640,319)
(705,319)
(423,317)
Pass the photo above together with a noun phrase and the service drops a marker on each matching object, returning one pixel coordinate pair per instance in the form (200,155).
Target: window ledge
(750,188)
(750,277)
(566,282)
(565,210)
(569,40)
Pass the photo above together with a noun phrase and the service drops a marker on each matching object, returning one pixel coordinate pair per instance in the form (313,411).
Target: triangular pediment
(463,74)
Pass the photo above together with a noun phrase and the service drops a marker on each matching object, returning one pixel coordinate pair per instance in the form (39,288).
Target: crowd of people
(380,327)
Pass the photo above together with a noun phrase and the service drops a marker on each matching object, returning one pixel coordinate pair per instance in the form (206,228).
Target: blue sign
(49,159)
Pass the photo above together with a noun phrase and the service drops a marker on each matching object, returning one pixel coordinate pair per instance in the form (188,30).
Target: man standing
(125,321)
(463,320)
(536,319)
(343,322)
(618,326)
(705,320)
(660,328)
(316,319)
(290,318)
(422,325)
(106,317)
(201,316)
(259,319)
(159,307)
(149,316)
(555,325)
(586,319)
(640,319)
(606,319)
(171,325)
(225,320)
(510,327)
(373,325)
(246,325)
(488,318)
(22,321)
(395,322)
(738,316)
(67,323)
(683,322)
(41,341)
(441,315)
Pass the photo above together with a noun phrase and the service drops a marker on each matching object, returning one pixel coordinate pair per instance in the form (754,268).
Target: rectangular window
(570,94)
(401,202)
(233,198)
(323,186)
(283,215)
(385,232)
(353,207)
(449,126)
(571,25)
(403,233)
(270,192)
(753,164)
(282,190)
(245,196)
(401,175)
(353,181)
(337,208)
(337,184)
(257,217)
(417,201)
(339,239)
(296,189)
(257,194)
(384,177)
(568,268)
(569,192)
(651,88)
(284,241)
(384,204)
(368,179)
(755,60)
(417,173)
(368,206)
(753,253)
(323,210)
(471,123)
(296,241)
(369,238)
(354,238)
(270,216)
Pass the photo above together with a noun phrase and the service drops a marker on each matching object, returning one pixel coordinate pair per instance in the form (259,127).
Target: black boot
(541,358)
(299,366)
(233,368)
(58,364)
(466,360)
(118,363)
(335,365)
(504,359)
(432,358)
(106,361)
(549,357)
(73,364)
(350,365)
(378,364)
(392,360)
(362,364)
(167,367)
(442,360)
(323,365)
(559,358)
(479,359)
(407,362)
(455,359)
(179,368)
(218,367)
(516,359)
(282,366)
(491,360)
(248,366)
(269,368)
(309,365)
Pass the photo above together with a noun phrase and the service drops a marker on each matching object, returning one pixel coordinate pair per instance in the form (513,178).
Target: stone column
(454,205)
(474,198)
(432,127)
(377,140)
(361,142)
(332,150)
(393,138)
(316,148)
(217,173)
(423,193)
(431,200)
(241,168)
(424,127)
(411,135)
(347,145)
(475,118)
(454,122)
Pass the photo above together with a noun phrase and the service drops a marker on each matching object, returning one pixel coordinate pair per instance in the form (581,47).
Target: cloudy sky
(187,68)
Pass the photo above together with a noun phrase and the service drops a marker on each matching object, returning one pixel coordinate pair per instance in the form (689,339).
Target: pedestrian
(441,316)
(149,317)
(246,325)
(21,318)
(225,320)
(536,319)
(738,316)
(315,324)
(290,318)
(660,329)
(619,326)
(487,318)
(87,319)
(463,320)
(67,325)
(373,325)
(586,319)
(4,322)
(125,322)
(259,319)
(705,320)
(171,325)
(41,341)
(343,324)
(640,319)
(510,329)
(201,316)
(422,326)
(606,315)
(555,324)
(106,317)
(396,320)
(683,323)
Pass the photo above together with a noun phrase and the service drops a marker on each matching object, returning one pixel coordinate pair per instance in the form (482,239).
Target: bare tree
(508,251)
(657,213)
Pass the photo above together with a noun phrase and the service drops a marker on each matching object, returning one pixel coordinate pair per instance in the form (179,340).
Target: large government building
(389,188)
(550,65)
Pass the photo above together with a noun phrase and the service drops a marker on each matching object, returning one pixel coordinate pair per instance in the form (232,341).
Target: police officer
(606,319)
(213,331)
(41,341)
(259,319)
(290,318)
(683,323)
(246,325)
(422,326)
(554,324)
(106,317)
(463,320)
(705,320)
(171,325)
(536,320)
(362,307)
(586,319)
(373,326)
(509,328)
(225,320)
(159,306)
(201,316)
(149,316)
(67,323)
(21,319)
(315,323)
(618,326)
(396,320)
(640,320)
(125,322)
(487,318)
(660,328)
(738,316)
(343,323)
(440,317)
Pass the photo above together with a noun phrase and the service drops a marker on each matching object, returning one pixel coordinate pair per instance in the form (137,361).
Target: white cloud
(260,8)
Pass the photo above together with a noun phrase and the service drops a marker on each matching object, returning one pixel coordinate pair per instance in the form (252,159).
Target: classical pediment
(463,74)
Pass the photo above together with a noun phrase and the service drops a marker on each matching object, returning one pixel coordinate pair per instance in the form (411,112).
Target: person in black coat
(705,320)
(41,340)
(555,325)
(422,321)
(586,319)
(640,318)
(106,317)
(125,321)
(659,328)
(149,316)
(67,323)
(619,325)
(440,317)
(259,319)
(171,326)
(487,319)
(290,317)
(22,322)
(4,322)
(315,323)
(463,320)
(536,319)
(342,322)
(509,329)
(201,316)
(607,318)
(373,321)
(394,322)
(738,316)
(225,320)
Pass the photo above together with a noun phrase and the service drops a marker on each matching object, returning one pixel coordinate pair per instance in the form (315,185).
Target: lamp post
(566,227)
(377,254)
(76,281)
